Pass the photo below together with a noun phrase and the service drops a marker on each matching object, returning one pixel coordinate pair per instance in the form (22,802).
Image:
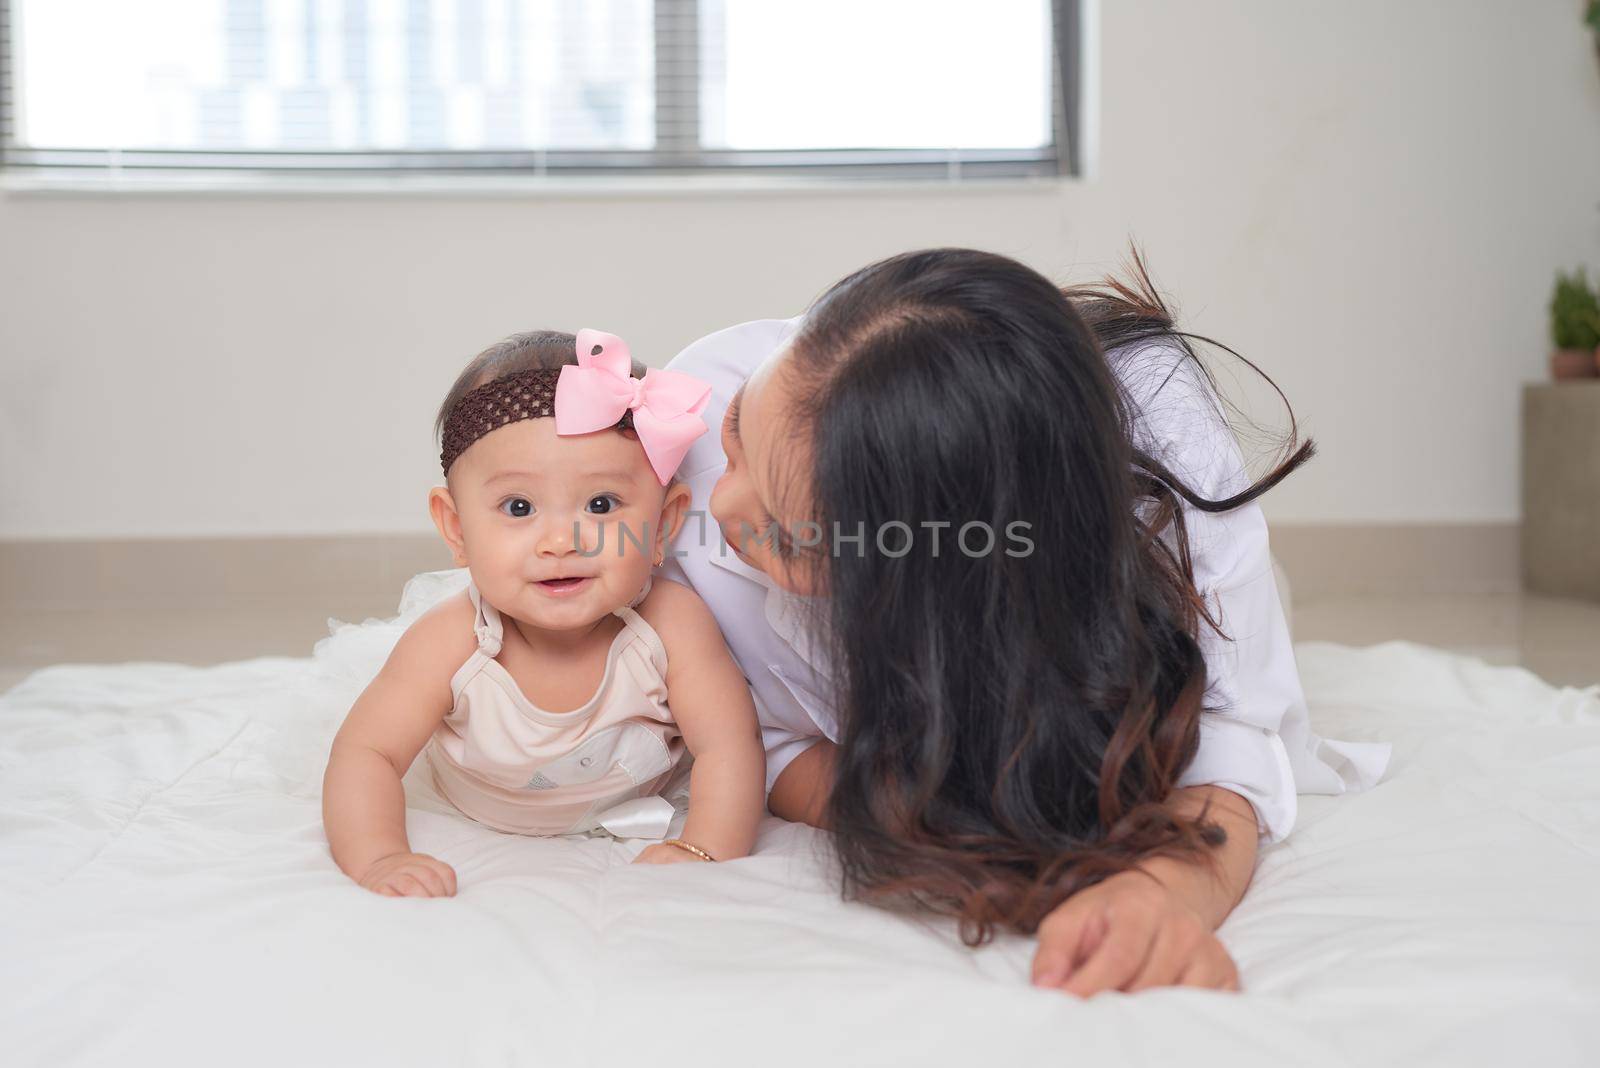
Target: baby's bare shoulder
(670,601)
(439,641)
(680,616)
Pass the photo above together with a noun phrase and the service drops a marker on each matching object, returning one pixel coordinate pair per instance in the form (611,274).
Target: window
(873,88)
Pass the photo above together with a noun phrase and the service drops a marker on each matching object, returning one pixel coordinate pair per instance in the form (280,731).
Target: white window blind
(858,87)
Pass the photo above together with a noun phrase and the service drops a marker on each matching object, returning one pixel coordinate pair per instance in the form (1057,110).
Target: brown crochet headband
(520,395)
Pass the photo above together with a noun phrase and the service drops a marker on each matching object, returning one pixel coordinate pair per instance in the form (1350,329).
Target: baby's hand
(661,853)
(410,875)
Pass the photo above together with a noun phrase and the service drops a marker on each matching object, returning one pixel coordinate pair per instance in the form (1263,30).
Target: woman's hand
(409,875)
(661,853)
(1153,926)
(1130,933)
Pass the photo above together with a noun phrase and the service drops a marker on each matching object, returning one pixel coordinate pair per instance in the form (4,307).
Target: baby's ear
(442,507)
(674,511)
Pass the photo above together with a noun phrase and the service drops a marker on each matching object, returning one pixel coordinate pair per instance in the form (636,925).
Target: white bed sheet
(166,897)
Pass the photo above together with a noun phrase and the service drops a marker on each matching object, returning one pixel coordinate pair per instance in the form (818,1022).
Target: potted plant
(1574,327)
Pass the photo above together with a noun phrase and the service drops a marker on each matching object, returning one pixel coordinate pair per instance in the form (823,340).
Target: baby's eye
(603,503)
(517,507)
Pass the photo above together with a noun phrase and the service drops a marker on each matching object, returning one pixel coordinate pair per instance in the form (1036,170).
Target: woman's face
(763,498)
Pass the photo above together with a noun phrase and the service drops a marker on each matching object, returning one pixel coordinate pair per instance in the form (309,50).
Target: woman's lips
(564,587)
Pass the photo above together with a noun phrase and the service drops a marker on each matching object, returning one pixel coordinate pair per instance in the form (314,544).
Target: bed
(166,897)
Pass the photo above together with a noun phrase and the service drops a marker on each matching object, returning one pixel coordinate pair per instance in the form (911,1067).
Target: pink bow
(666,405)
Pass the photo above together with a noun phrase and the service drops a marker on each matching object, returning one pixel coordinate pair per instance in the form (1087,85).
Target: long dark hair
(1010,721)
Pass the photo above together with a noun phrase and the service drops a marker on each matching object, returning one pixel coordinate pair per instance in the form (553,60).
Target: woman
(1082,736)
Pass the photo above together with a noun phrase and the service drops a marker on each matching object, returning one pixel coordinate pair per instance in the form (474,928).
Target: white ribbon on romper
(641,817)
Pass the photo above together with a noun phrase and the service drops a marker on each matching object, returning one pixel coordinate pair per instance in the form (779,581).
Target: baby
(558,692)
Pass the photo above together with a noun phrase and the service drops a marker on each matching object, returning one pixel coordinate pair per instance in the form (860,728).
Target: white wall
(1369,197)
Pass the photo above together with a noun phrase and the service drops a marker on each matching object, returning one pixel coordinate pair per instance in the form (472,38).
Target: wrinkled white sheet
(166,897)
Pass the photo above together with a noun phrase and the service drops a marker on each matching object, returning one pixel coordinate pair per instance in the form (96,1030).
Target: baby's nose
(557,537)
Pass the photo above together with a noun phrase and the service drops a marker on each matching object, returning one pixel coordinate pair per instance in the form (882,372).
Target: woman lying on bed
(995,574)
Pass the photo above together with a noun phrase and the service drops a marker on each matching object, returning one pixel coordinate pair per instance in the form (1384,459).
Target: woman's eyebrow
(733,412)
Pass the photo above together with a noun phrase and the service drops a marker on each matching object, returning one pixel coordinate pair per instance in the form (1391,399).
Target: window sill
(27,183)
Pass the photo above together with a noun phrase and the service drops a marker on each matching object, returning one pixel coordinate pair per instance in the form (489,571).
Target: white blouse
(1258,743)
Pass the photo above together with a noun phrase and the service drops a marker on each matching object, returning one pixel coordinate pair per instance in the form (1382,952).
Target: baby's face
(552,526)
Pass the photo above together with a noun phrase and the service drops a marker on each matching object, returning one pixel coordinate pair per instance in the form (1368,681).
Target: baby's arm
(711,703)
(363,802)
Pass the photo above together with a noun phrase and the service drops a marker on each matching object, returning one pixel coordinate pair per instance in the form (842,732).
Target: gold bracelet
(687,848)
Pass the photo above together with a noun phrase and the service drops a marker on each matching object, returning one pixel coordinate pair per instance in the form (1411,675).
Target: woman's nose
(721,495)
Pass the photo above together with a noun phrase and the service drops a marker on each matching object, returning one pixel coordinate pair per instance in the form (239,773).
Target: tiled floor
(1559,640)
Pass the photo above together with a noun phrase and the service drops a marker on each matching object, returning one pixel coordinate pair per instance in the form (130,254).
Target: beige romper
(509,764)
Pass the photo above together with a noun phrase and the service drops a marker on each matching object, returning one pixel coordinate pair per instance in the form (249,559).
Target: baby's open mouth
(564,585)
